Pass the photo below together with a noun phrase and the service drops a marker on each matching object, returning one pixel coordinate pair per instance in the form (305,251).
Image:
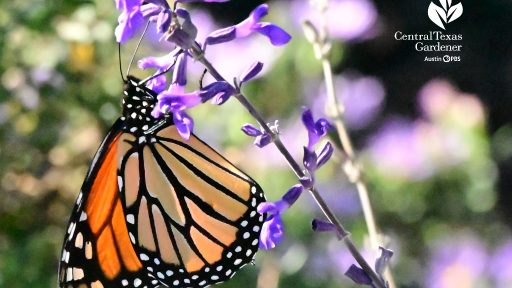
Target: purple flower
(262,138)
(349,20)
(274,33)
(272,230)
(184,123)
(130,19)
(316,129)
(457,261)
(159,12)
(162,64)
(175,100)
(500,266)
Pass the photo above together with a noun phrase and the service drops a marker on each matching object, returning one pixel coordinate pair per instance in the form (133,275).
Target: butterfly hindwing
(192,213)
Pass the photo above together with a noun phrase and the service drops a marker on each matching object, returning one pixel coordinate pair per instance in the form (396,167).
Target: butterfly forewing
(97,251)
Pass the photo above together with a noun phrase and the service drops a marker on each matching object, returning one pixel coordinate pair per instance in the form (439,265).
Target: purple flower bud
(358,275)
(251,72)
(130,19)
(271,232)
(180,70)
(221,36)
(293,194)
(310,160)
(251,130)
(325,154)
(184,124)
(263,140)
(323,226)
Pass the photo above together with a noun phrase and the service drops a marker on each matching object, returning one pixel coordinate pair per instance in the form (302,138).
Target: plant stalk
(198,54)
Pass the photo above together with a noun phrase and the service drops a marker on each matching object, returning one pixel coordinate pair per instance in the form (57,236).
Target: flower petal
(245,28)
(129,22)
(271,232)
(274,33)
(150,10)
(157,84)
(163,20)
(184,124)
(267,207)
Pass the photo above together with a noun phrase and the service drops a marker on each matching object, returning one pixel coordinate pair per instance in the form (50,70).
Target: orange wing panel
(106,219)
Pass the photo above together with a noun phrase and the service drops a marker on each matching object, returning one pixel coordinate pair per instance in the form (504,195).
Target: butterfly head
(138,102)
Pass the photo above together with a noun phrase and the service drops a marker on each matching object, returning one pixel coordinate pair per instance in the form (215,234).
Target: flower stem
(336,110)
(198,54)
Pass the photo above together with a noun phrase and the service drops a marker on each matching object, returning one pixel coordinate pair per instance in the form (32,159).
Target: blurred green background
(434,139)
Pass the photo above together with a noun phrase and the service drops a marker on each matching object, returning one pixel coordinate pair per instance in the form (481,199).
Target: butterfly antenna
(120,63)
(137,48)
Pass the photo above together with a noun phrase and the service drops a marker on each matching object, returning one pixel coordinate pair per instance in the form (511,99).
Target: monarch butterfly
(156,210)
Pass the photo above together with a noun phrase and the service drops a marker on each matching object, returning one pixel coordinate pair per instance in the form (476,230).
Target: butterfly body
(156,210)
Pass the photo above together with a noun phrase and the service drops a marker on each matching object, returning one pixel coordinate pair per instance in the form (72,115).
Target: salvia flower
(274,33)
(175,100)
(161,64)
(130,19)
(272,231)
(316,129)
(158,11)
(262,138)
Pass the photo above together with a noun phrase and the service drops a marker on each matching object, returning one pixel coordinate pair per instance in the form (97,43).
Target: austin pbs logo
(445,14)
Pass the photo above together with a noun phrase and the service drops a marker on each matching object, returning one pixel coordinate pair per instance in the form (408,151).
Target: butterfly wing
(97,251)
(190,213)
